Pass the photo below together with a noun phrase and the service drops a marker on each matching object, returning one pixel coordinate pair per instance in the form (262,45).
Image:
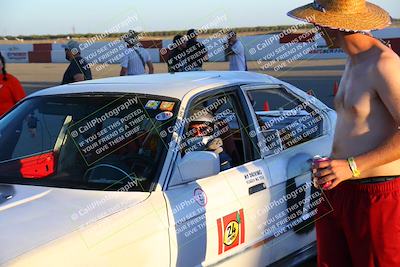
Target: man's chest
(356,94)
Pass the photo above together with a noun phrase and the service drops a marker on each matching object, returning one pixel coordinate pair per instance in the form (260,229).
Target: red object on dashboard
(38,167)
(266,106)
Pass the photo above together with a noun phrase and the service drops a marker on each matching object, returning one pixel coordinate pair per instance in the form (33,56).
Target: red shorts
(359,225)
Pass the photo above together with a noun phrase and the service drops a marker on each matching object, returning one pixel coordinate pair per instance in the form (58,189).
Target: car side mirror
(196,165)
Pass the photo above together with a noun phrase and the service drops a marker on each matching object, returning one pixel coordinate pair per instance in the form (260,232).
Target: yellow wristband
(353,166)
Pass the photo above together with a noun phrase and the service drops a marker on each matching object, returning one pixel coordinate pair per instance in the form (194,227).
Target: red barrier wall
(41,53)
(301,38)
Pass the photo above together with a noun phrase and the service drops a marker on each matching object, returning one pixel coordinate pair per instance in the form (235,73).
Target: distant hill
(163,34)
(159,34)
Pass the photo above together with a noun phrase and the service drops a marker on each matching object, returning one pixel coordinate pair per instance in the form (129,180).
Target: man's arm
(238,48)
(147,59)
(150,66)
(124,66)
(228,50)
(123,71)
(79,77)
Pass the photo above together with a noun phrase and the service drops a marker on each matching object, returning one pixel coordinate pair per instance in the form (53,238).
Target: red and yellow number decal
(231,231)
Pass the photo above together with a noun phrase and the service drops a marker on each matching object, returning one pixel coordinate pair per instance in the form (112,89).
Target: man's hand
(123,72)
(79,77)
(150,66)
(336,171)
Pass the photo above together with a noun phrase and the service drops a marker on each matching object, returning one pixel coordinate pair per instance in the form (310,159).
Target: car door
(293,128)
(212,219)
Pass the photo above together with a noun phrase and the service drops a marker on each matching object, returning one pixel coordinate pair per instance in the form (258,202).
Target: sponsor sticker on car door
(231,231)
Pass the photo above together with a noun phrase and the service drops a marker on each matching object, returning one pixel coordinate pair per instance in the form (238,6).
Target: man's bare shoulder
(387,82)
(387,67)
(387,60)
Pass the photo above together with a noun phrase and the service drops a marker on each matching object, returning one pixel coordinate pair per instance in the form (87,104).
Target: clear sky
(25,17)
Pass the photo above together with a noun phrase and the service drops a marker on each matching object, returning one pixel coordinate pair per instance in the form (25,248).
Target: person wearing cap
(196,52)
(359,223)
(203,136)
(78,69)
(135,60)
(177,60)
(11,90)
(234,50)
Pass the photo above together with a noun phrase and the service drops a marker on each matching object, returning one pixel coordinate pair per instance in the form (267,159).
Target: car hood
(31,216)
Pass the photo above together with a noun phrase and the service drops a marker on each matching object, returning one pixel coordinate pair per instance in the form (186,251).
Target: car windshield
(99,142)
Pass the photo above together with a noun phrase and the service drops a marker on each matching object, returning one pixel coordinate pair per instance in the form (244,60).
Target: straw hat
(345,15)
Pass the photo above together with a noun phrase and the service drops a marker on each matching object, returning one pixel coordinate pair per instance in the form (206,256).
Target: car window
(100,142)
(272,99)
(284,119)
(215,123)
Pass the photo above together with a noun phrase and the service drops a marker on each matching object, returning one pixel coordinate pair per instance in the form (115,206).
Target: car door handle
(257,188)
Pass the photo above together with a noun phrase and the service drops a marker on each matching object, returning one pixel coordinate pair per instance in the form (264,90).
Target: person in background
(234,49)
(196,52)
(177,61)
(11,90)
(78,69)
(134,62)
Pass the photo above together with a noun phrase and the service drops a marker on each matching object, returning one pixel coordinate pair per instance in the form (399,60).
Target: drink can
(319,159)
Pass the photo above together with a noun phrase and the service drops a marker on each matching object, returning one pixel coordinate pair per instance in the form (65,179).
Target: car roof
(175,85)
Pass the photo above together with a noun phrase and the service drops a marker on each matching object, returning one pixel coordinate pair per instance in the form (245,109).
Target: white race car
(189,169)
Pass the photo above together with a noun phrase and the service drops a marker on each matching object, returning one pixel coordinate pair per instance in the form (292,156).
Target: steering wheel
(142,166)
(97,171)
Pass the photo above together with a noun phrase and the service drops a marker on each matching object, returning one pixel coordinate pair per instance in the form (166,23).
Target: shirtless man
(359,224)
